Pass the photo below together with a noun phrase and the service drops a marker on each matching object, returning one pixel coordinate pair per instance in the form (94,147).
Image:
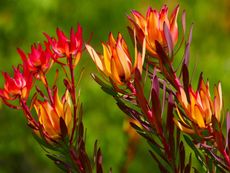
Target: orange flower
(151,27)
(50,115)
(200,108)
(116,61)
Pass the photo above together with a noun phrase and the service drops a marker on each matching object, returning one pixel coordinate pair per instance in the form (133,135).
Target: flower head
(38,60)
(18,86)
(199,108)
(151,27)
(67,47)
(116,61)
(50,115)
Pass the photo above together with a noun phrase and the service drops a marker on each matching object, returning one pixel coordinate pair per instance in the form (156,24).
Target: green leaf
(199,156)
(163,166)
(105,87)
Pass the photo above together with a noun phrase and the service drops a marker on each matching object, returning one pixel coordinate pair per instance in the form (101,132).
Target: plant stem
(28,114)
(73,96)
(47,89)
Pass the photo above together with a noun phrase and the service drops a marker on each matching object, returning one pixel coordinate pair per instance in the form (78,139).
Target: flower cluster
(193,112)
(55,121)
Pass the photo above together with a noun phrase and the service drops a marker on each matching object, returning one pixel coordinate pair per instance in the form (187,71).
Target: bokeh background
(22,23)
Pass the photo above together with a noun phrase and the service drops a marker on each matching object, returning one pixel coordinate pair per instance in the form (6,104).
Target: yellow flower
(49,115)
(199,108)
(151,27)
(116,61)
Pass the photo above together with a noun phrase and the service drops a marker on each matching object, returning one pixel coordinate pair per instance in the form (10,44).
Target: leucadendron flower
(116,61)
(38,60)
(18,86)
(199,108)
(151,27)
(50,116)
(67,47)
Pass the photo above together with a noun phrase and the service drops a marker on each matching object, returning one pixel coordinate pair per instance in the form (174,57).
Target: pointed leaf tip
(168,38)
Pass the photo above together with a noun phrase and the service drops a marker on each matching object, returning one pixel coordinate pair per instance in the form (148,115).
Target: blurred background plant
(22,23)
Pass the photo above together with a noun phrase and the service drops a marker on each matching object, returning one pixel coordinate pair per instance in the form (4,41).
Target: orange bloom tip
(200,107)
(183,128)
(53,118)
(151,27)
(116,61)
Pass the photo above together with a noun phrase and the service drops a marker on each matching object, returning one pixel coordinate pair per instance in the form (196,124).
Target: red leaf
(141,100)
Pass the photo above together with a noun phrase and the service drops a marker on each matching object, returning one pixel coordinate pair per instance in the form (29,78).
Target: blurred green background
(22,23)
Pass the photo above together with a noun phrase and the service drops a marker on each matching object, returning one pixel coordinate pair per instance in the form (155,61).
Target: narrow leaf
(199,156)
(99,162)
(141,100)
(185,75)
(228,130)
(170,122)
(168,38)
(63,127)
(184,21)
(189,165)
(164,167)
(182,156)
(190,35)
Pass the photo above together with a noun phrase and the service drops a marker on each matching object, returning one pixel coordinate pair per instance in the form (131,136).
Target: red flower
(18,86)
(38,60)
(64,47)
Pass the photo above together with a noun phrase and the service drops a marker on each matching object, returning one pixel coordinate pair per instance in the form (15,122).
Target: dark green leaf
(198,155)
(163,166)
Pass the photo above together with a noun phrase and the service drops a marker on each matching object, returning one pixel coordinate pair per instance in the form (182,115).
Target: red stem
(131,88)
(48,89)
(73,95)
(227,159)
(28,114)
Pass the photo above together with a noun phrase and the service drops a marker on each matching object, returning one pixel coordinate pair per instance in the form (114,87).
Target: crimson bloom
(18,86)
(151,27)
(38,61)
(116,61)
(64,47)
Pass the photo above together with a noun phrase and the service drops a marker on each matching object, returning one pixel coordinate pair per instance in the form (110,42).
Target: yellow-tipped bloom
(200,109)
(151,27)
(50,115)
(116,61)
